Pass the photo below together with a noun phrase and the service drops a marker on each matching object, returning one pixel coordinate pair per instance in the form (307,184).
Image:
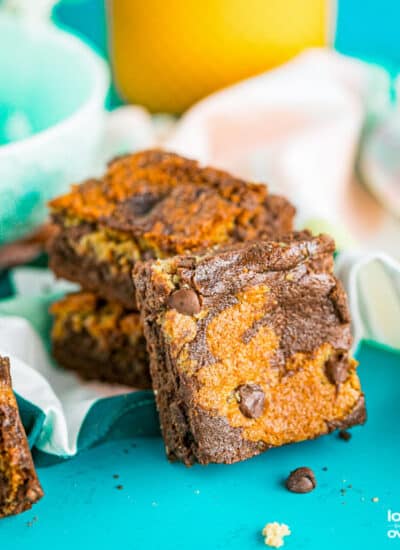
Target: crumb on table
(274,533)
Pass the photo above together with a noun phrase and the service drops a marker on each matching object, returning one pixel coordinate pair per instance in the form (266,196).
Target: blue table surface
(168,506)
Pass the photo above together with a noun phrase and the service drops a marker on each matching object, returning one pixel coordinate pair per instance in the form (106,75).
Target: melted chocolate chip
(185,301)
(251,400)
(336,368)
(301,480)
(139,205)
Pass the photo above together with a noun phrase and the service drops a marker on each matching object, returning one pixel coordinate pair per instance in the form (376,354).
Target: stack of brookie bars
(194,283)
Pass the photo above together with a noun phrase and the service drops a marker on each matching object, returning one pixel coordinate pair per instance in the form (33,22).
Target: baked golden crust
(171,204)
(155,204)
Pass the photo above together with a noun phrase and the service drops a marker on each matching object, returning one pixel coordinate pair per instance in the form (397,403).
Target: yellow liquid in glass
(167,54)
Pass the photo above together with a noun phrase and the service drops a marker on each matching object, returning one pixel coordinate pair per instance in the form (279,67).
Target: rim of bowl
(69,40)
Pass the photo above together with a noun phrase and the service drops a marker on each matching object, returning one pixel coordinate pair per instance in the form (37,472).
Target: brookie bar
(154,204)
(249,348)
(19,485)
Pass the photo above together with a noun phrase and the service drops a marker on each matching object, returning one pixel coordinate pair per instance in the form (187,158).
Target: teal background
(171,507)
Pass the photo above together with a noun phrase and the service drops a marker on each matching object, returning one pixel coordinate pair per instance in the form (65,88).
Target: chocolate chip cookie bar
(99,340)
(249,348)
(154,204)
(19,484)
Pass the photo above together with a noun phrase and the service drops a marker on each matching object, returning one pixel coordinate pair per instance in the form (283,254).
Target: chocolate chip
(301,480)
(346,436)
(185,301)
(336,368)
(251,399)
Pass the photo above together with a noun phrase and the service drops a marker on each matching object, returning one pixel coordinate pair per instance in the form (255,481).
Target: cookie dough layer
(100,340)
(249,348)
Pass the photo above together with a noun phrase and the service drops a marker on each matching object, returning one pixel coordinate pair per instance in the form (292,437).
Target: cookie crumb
(375,499)
(346,436)
(325,469)
(116,476)
(119,487)
(274,533)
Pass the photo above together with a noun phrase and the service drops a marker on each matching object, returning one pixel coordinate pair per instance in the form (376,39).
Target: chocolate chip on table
(185,301)
(336,368)
(346,436)
(251,399)
(301,480)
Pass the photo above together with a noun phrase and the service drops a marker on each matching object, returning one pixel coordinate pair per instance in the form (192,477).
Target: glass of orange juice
(167,54)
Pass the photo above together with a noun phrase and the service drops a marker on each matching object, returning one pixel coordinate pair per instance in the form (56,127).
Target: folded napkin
(298,128)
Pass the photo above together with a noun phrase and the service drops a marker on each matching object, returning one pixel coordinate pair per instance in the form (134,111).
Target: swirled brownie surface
(19,484)
(249,348)
(155,204)
(100,340)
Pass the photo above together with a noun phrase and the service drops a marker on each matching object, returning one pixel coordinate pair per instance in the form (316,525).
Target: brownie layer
(100,340)
(153,205)
(19,484)
(249,348)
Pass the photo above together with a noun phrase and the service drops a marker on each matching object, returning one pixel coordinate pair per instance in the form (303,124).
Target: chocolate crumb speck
(116,476)
(301,480)
(325,469)
(32,521)
(119,487)
(346,436)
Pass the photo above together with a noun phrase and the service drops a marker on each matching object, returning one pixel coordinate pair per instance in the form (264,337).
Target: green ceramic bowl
(52,93)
